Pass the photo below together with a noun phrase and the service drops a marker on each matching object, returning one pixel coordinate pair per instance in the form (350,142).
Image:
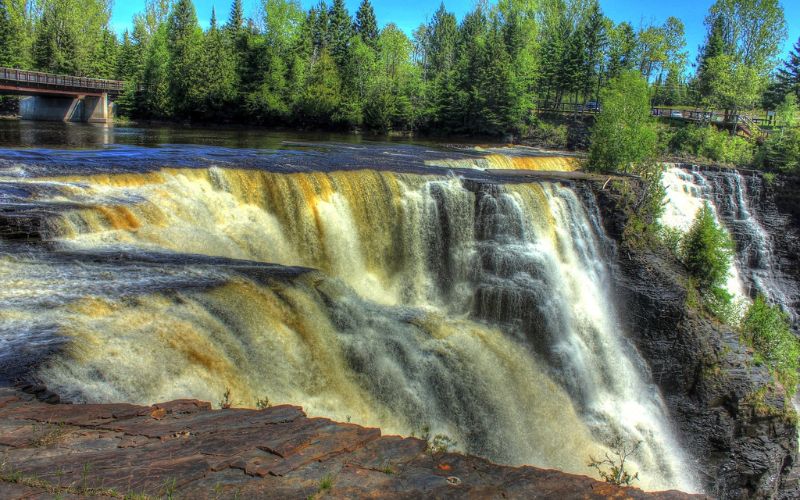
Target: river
(389,283)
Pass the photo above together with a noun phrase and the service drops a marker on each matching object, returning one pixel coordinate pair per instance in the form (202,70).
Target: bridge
(60,97)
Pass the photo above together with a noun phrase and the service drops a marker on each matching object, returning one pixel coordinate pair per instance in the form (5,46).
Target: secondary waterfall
(393,299)
(731,195)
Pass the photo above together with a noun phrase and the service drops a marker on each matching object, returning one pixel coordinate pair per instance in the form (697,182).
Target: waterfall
(728,192)
(398,300)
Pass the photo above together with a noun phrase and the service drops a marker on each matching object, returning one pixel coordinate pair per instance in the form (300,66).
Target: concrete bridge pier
(82,108)
(95,109)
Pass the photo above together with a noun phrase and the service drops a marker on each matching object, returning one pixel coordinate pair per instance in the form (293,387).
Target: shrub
(782,150)
(612,468)
(766,329)
(226,403)
(705,141)
(440,444)
(549,135)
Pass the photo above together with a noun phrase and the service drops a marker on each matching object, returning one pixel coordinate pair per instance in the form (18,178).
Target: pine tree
(155,100)
(271,99)
(318,26)
(6,37)
(366,25)
(15,40)
(71,36)
(341,30)
(321,99)
(789,74)
(220,70)
(185,42)
(593,32)
(441,65)
(236,17)
(715,46)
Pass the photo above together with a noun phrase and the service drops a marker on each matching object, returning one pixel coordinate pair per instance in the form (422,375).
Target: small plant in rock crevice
(611,467)
(226,402)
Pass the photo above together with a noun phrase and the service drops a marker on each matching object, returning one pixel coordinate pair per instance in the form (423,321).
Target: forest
(485,74)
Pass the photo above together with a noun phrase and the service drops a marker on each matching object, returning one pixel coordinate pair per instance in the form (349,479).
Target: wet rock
(742,448)
(193,451)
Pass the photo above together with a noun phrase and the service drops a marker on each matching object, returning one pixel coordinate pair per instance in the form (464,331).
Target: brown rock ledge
(184,449)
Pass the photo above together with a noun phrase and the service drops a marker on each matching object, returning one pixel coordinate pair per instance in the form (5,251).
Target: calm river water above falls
(395,284)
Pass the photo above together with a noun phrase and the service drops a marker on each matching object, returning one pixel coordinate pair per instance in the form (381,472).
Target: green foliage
(781,150)
(744,36)
(72,37)
(707,251)
(321,100)
(366,24)
(767,330)
(547,134)
(440,444)
(16,37)
(623,135)
(263,404)
(789,73)
(155,100)
(482,76)
(326,483)
(186,59)
(219,72)
(707,142)
(611,467)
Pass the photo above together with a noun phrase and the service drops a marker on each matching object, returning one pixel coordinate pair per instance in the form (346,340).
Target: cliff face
(186,449)
(738,428)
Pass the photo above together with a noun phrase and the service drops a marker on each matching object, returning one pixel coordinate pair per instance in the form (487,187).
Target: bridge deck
(25,82)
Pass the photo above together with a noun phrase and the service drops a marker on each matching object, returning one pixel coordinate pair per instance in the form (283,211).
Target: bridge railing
(52,80)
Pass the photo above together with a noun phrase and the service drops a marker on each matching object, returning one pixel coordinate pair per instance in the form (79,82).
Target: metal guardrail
(38,78)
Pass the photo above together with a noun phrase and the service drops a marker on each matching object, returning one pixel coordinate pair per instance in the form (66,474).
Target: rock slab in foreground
(187,450)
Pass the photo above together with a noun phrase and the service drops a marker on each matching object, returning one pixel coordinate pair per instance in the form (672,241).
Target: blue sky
(408,14)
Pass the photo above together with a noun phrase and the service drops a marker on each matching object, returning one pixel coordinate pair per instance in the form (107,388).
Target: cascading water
(731,195)
(480,310)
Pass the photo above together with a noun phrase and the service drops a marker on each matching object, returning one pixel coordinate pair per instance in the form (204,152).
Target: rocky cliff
(740,428)
(184,449)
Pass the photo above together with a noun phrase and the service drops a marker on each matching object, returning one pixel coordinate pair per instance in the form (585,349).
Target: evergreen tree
(521,35)
(185,43)
(707,250)
(715,46)
(789,74)
(71,35)
(366,25)
(395,85)
(105,62)
(321,99)
(15,36)
(127,70)
(441,58)
(673,91)
(220,71)
(271,100)
(341,30)
(595,39)
(318,24)
(236,17)
(155,100)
